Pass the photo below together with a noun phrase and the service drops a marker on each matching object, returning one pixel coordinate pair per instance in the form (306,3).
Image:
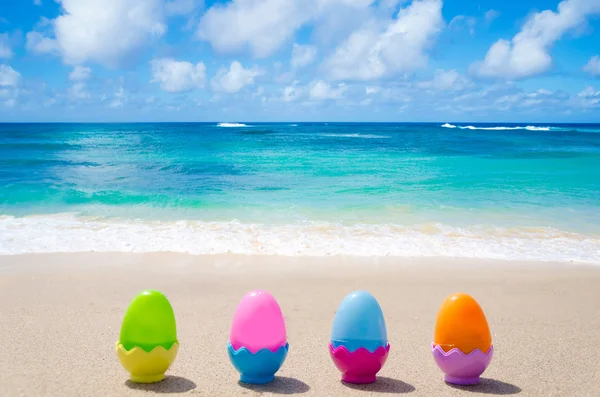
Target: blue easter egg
(359,323)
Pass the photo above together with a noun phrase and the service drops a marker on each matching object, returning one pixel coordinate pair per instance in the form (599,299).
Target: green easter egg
(149,322)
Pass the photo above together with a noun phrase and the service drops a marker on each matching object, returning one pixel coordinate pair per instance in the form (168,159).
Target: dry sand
(60,317)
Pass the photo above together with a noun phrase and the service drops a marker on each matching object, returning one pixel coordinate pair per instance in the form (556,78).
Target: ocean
(500,191)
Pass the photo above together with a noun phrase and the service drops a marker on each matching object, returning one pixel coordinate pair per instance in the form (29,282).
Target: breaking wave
(71,233)
(232,125)
(470,127)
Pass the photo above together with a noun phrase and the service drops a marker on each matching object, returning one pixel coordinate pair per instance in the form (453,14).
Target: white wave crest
(470,127)
(70,233)
(532,128)
(231,125)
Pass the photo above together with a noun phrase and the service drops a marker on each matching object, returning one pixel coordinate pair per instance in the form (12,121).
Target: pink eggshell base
(460,368)
(360,366)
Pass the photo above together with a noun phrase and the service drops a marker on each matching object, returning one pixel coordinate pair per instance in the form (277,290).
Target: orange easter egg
(462,324)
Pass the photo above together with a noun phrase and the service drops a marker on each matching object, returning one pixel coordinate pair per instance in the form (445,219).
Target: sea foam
(231,125)
(470,127)
(70,233)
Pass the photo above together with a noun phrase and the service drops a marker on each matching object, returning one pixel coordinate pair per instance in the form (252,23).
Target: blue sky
(300,60)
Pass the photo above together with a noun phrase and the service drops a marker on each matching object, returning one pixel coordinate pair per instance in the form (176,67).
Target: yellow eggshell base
(147,367)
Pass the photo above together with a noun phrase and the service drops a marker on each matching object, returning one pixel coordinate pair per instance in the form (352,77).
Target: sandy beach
(60,317)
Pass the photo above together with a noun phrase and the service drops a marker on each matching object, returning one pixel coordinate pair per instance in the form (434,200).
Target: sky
(300,60)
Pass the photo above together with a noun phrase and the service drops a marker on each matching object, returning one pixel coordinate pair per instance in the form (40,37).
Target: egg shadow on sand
(490,386)
(281,385)
(170,385)
(383,385)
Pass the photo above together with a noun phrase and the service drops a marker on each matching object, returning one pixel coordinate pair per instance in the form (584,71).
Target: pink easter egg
(258,323)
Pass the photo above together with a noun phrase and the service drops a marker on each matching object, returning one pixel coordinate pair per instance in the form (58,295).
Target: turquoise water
(509,191)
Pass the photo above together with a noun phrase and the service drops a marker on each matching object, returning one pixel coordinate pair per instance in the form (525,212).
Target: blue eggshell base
(256,380)
(260,367)
(354,345)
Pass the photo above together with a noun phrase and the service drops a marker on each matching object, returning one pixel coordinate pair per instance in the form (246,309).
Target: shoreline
(73,234)
(217,263)
(271,262)
(61,315)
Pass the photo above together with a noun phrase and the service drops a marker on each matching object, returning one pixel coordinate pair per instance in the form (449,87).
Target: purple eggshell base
(360,366)
(461,368)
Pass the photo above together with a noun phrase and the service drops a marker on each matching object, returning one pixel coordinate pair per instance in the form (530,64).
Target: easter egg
(149,322)
(359,322)
(258,323)
(461,324)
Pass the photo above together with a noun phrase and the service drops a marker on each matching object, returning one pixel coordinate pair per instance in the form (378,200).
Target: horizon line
(297,122)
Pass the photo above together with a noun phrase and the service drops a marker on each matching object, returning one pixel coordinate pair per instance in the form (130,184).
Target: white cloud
(49,101)
(103,31)
(78,93)
(593,66)
(234,79)
(589,92)
(177,76)
(539,97)
(291,92)
(390,4)
(446,80)
(505,97)
(285,78)
(181,7)
(303,55)
(339,21)
(259,92)
(490,16)
(80,73)
(263,26)
(40,44)
(9,85)
(589,98)
(9,77)
(371,54)
(322,4)
(320,90)
(37,2)
(541,91)
(463,20)
(5,47)
(120,97)
(528,52)
(369,90)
